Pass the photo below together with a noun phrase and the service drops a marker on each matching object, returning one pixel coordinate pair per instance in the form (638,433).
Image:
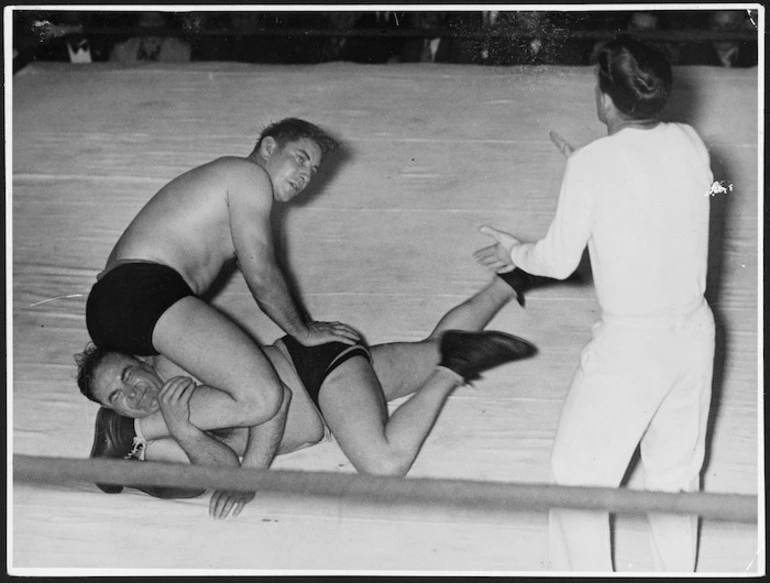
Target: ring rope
(450,497)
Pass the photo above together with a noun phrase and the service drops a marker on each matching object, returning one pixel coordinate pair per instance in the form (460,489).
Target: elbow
(562,272)
(393,466)
(564,268)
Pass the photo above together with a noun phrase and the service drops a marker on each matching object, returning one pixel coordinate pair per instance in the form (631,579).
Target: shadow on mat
(685,106)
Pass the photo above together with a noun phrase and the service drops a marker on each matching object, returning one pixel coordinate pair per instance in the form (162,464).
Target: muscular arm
(250,200)
(187,444)
(261,448)
(201,449)
(198,449)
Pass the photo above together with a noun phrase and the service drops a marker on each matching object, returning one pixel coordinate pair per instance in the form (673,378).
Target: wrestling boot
(522,282)
(471,353)
(114,438)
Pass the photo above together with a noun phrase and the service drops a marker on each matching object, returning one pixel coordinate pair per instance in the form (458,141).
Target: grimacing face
(127,385)
(292,166)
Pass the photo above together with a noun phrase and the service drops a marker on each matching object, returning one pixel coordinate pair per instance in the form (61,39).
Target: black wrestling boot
(522,282)
(471,353)
(113,439)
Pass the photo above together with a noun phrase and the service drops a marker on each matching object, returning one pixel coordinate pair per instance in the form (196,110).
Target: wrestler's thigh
(403,367)
(354,408)
(211,347)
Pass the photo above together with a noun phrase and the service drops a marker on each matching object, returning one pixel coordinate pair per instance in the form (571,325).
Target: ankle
(455,377)
(502,289)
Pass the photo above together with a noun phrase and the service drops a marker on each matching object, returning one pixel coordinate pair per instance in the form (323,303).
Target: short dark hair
(88,361)
(636,76)
(291,129)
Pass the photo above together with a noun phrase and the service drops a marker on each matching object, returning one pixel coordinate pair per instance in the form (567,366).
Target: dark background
(695,37)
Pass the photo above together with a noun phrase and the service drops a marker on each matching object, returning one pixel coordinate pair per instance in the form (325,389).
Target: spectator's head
(643,21)
(727,20)
(152,25)
(530,21)
(635,76)
(118,381)
(152,20)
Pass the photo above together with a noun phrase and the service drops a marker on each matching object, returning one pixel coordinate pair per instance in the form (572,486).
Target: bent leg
(403,367)
(354,407)
(211,347)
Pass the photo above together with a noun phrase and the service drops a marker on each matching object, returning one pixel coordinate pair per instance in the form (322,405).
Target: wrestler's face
(127,385)
(290,167)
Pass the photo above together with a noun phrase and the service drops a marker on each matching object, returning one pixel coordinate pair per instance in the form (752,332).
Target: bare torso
(186,224)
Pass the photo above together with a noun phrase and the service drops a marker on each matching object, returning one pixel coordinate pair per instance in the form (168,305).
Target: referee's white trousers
(639,380)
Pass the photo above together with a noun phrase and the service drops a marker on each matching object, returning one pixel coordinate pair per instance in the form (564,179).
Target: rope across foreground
(398,497)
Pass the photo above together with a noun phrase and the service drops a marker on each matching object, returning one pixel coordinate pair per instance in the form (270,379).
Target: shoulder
(236,164)
(692,138)
(241,174)
(587,158)
(600,146)
(688,130)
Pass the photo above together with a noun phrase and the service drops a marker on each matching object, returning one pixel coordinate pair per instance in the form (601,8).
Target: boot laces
(137,450)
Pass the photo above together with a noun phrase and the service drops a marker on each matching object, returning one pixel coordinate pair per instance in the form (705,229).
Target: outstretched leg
(403,367)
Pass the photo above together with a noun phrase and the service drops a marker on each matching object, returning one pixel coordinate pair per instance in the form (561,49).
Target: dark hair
(636,76)
(88,361)
(291,129)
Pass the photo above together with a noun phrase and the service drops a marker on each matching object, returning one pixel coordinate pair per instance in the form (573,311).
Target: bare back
(187,224)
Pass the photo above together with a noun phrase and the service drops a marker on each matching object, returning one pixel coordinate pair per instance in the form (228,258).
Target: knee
(386,465)
(262,404)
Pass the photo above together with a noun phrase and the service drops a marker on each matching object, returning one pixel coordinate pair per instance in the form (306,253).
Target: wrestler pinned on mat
(147,302)
(333,387)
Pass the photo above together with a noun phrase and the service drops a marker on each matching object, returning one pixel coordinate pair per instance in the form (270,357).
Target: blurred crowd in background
(309,37)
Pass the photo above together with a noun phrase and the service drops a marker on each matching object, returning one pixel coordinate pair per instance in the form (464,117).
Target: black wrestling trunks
(315,363)
(124,305)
